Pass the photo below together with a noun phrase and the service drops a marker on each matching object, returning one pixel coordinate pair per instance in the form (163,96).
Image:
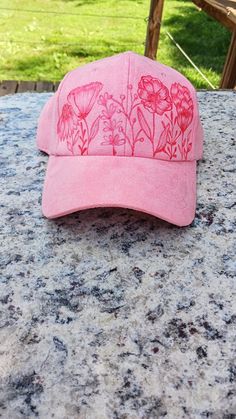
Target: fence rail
(8,87)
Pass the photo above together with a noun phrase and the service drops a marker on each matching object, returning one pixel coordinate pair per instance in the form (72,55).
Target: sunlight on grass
(36,46)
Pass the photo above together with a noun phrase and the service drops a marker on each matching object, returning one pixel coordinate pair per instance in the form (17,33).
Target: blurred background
(44,39)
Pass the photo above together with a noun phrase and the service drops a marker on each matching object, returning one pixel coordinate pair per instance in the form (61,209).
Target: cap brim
(165,189)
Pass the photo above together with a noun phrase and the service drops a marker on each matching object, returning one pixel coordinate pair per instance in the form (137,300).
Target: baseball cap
(122,131)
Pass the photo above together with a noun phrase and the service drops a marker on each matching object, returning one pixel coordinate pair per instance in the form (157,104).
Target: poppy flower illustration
(83,98)
(154,95)
(184,105)
(66,123)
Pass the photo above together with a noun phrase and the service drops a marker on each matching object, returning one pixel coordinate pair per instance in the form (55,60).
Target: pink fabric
(129,125)
(166,190)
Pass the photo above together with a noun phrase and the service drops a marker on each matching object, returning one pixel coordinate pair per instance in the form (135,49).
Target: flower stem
(182,154)
(153,134)
(87,129)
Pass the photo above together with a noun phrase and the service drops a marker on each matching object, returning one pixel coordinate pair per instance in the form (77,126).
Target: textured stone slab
(111,313)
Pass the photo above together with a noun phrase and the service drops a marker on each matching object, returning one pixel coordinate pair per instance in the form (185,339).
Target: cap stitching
(126,122)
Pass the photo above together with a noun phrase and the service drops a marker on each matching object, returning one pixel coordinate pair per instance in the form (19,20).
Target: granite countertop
(112,313)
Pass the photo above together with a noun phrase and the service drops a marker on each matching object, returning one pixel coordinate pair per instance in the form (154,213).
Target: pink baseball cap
(123,131)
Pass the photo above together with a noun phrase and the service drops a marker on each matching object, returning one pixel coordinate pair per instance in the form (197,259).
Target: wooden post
(228,80)
(153,28)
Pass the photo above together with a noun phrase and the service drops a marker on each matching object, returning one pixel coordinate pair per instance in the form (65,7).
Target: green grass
(32,43)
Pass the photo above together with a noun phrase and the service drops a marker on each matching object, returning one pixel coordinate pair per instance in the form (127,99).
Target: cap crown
(124,105)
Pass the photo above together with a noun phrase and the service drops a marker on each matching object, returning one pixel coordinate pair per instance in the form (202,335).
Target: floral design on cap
(151,112)
(67,122)
(184,105)
(83,98)
(154,95)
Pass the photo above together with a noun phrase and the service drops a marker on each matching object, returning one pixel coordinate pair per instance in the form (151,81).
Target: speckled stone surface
(111,313)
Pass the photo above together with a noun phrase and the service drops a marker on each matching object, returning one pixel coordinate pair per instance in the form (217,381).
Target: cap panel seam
(127,95)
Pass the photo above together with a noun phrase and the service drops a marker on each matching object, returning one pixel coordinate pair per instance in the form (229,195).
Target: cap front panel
(126,105)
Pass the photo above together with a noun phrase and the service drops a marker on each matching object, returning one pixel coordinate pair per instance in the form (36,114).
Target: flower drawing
(184,108)
(126,132)
(72,124)
(112,126)
(154,95)
(66,123)
(149,111)
(82,98)
(184,105)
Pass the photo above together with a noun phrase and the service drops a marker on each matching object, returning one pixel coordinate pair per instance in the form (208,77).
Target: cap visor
(165,189)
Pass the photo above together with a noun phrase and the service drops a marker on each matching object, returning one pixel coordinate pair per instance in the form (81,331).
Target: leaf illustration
(180,150)
(143,123)
(94,129)
(83,150)
(168,149)
(76,137)
(165,138)
(69,146)
(189,147)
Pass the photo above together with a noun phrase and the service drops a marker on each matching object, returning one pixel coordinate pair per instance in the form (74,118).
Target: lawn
(45,46)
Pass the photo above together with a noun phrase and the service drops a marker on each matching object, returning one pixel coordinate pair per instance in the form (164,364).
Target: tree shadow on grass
(205,40)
